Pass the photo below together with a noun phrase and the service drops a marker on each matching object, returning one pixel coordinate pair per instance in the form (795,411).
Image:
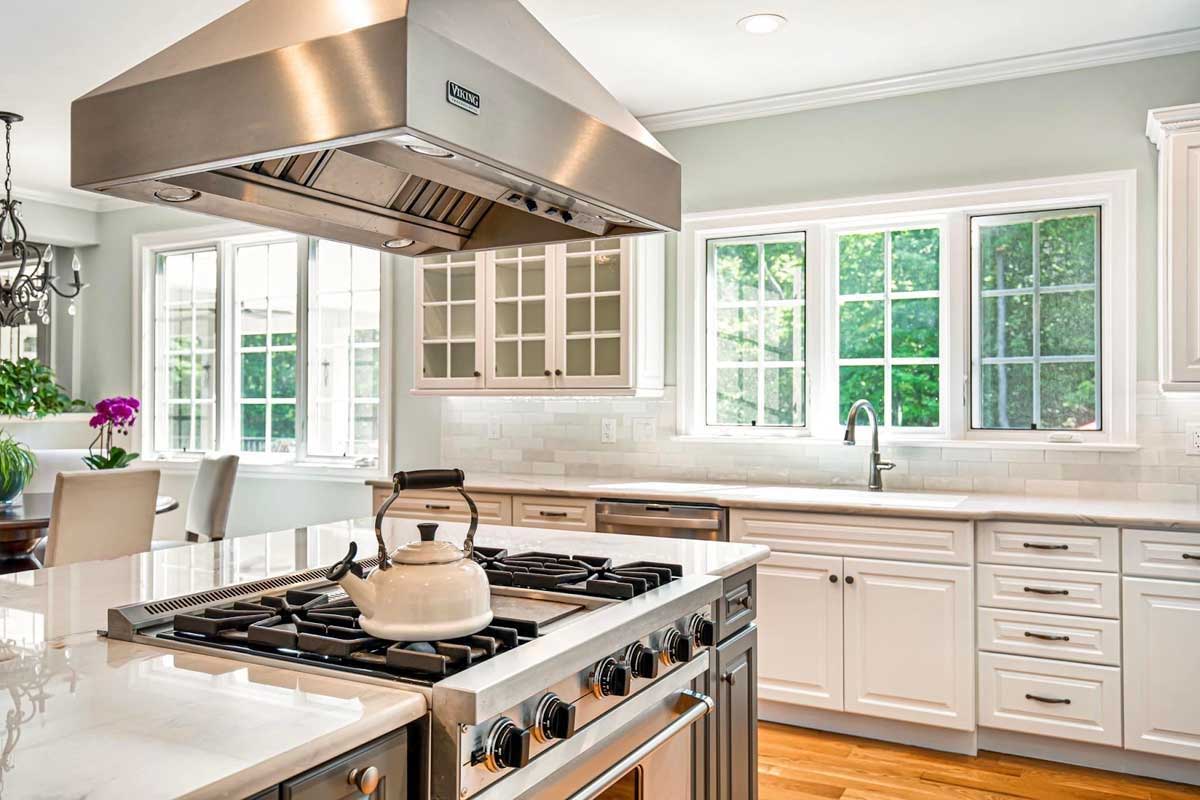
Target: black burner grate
(589,575)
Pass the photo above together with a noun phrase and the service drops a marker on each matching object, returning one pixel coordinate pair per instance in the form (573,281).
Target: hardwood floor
(801,764)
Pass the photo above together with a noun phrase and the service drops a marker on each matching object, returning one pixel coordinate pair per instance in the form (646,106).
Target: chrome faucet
(874,479)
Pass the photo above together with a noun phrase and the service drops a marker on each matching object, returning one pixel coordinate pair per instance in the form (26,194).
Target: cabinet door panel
(520,314)
(737,714)
(594,331)
(800,616)
(450,322)
(910,642)
(1162,664)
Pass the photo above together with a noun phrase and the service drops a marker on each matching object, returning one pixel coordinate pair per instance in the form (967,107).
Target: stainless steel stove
(581,651)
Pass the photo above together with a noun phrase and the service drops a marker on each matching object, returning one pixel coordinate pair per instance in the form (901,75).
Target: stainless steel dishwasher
(674,520)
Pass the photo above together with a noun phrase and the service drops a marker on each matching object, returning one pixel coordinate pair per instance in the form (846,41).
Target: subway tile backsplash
(542,436)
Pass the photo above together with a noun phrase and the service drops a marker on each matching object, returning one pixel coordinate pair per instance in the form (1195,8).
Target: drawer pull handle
(1036,546)
(435,507)
(553,513)
(745,601)
(1064,701)
(658,508)
(1047,637)
(1036,590)
(1192,556)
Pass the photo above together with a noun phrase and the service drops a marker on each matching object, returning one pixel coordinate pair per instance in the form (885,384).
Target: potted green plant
(17,463)
(27,389)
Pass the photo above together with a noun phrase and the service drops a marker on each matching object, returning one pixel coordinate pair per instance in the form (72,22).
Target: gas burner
(588,575)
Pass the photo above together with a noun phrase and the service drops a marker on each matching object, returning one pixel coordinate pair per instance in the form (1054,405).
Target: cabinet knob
(547,373)
(833,578)
(478,374)
(365,780)
(849,579)
(558,372)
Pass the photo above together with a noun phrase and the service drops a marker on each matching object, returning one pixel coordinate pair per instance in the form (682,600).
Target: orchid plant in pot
(113,415)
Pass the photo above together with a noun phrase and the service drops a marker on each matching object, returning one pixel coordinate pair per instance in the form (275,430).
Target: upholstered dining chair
(208,504)
(101,514)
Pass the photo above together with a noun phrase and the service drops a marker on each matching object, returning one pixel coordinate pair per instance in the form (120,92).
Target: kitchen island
(105,718)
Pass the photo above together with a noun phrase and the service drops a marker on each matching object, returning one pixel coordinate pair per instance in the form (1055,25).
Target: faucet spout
(875,465)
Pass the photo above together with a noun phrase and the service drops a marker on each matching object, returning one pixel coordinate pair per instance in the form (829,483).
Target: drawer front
(1032,633)
(894,539)
(387,756)
(1161,554)
(570,513)
(1050,698)
(1088,594)
(736,608)
(494,509)
(1035,545)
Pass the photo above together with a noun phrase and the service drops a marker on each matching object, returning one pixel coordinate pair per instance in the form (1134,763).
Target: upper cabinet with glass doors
(579,318)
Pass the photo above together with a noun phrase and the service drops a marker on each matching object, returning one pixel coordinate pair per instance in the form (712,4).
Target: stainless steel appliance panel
(672,520)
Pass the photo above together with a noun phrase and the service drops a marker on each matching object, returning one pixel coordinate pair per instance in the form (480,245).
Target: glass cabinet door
(521,347)
(450,321)
(593,315)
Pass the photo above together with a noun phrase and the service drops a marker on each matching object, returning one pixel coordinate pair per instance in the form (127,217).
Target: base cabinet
(737,721)
(380,767)
(1162,667)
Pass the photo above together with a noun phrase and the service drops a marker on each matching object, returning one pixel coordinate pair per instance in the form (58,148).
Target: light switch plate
(493,428)
(608,430)
(1192,443)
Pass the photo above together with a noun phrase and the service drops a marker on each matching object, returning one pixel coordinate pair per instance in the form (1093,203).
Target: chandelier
(26,279)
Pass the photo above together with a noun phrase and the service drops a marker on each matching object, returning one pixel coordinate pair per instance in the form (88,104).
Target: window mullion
(1036,334)
(887,330)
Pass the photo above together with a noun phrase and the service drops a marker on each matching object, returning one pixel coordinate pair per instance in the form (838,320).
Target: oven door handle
(697,706)
(642,521)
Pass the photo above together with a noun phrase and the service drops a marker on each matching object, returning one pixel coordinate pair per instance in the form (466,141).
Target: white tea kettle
(426,590)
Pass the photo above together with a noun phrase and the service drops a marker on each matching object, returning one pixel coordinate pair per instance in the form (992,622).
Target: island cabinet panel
(800,615)
(909,642)
(1161,554)
(1033,544)
(383,764)
(447,505)
(737,726)
(569,513)
(1162,667)
(893,538)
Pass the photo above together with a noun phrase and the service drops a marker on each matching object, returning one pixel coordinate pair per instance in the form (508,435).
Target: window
(186,350)
(756,332)
(1036,337)
(965,315)
(267,344)
(889,331)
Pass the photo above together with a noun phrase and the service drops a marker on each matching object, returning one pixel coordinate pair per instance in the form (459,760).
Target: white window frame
(1113,192)
(760,304)
(225,237)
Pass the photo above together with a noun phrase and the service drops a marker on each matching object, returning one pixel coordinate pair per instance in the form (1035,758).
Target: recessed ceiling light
(762,23)
(397,244)
(176,194)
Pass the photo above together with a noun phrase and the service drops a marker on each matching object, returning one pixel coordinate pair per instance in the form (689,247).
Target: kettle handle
(426,479)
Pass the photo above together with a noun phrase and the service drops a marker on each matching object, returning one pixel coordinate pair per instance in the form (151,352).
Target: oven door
(641,750)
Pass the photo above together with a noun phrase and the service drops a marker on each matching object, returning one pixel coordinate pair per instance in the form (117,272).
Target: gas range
(577,646)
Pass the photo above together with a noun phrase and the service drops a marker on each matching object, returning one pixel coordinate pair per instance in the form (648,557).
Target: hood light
(176,194)
(397,244)
(429,150)
(762,23)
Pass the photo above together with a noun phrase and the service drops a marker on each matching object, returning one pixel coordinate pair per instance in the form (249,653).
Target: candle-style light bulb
(75,266)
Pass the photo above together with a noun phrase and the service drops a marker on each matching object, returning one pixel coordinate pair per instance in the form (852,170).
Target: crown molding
(73,199)
(1098,55)
(1162,122)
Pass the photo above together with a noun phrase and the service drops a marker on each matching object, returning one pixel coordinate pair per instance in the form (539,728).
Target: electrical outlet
(643,429)
(493,428)
(1192,445)
(608,430)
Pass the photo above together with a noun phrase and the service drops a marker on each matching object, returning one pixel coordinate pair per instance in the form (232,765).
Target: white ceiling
(656,56)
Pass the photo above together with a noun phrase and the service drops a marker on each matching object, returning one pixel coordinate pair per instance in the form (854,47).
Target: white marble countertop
(972,506)
(108,719)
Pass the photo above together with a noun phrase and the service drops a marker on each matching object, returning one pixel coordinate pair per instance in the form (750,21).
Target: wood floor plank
(804,764)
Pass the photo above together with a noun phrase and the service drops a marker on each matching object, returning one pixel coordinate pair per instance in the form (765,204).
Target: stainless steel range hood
(429,125)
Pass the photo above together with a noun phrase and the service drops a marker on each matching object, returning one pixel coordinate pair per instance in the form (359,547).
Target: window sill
(305,470)
(886,441)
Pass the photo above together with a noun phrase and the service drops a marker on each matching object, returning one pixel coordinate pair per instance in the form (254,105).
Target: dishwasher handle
(658,522)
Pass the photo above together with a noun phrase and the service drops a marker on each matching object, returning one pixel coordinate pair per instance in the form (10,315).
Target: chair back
(208,504)
(101,514)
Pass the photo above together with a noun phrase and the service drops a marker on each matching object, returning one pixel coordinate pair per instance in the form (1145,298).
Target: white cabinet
(579,318)
(909,642)
(1162,666)
(800,616)
(1176,132)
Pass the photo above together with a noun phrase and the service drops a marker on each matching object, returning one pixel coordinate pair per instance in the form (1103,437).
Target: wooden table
(23,530)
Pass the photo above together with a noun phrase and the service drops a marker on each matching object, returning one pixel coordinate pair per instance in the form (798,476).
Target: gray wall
(1072,122)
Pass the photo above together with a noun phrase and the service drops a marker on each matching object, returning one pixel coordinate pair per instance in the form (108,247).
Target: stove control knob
(612,678)
(507,746)
(703,630)
(642,660)
(554,719)
(676,648)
